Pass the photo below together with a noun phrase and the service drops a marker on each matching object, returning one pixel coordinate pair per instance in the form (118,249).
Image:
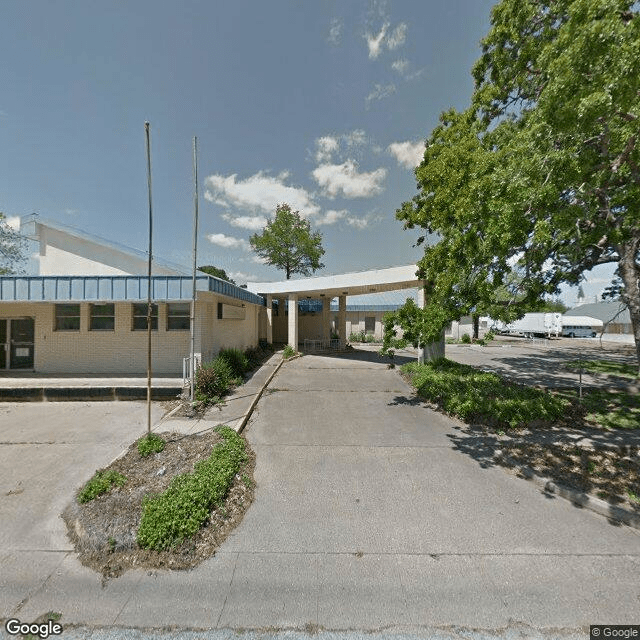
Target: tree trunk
(476,326)
(630,274)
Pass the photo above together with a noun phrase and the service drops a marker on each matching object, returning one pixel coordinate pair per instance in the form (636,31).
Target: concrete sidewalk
(367,516)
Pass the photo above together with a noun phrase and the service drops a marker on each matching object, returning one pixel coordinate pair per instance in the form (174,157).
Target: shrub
(288,352)
(180,511)
(474,395)
(237,361)
(151,443)
(213,380)
(357,337)
(101,482)
(466,338)
(489,336)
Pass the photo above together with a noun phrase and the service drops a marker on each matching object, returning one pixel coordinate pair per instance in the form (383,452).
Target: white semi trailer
(534,325)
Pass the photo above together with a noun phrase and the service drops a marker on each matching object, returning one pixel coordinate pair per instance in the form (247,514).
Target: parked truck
(533,325)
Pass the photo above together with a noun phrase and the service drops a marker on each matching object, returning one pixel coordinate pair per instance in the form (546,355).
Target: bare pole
(195,253)
(146,129)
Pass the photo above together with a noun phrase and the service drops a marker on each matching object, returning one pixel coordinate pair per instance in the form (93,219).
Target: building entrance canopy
(328,287)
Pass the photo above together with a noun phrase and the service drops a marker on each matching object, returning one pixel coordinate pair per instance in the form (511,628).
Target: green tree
(288,243)
(12,247)
(216,272)
(538,180)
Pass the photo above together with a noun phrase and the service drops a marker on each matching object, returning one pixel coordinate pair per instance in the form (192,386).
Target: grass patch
(180,511)
(151,443)
(101,482)
(610,367)
(609,409)
(473,395)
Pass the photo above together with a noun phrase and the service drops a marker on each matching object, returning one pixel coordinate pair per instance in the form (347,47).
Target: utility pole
(146,129)
(195,253)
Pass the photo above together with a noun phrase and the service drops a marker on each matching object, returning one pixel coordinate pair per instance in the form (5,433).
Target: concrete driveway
(367,516)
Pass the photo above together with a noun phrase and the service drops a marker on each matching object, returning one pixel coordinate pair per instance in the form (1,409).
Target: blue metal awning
(115,288)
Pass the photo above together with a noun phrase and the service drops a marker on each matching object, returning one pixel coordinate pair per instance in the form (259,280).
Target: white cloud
(330,217)
(326,146)
(259,191)
(228,242)
(336,178)
(397,37)
(376,42)
(400,66)
(356,138)
(239,275)
(254,223)
(13,222)
(408,154)
(335,31)
(358,223)
(379,92)
(259,260)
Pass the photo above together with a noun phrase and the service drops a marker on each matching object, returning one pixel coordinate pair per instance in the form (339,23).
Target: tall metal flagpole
(146,129)
(195,253)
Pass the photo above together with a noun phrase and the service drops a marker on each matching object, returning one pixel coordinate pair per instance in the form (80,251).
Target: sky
(324,105)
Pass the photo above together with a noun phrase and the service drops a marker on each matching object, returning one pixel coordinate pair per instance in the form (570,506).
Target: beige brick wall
(124,351)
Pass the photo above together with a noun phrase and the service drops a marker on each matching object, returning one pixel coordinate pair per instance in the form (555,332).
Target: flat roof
(356,283)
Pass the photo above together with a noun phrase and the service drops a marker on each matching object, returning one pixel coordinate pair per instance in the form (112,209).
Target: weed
(101,482)
(151,443)
(633,497)
(466,338)
(247,480)
(288,352)
(112,544)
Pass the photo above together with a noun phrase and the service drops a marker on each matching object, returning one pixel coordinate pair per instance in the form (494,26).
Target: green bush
(213,380)
(474,395)
(466,338)
(179,512)
(237,361)
(101,482)
(151,443)
(288,352)
(357,337)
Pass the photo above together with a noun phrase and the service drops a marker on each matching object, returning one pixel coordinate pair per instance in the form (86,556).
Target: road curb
(574,496)
(245,418)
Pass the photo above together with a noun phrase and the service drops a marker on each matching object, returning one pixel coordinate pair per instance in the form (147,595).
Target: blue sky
(324,105)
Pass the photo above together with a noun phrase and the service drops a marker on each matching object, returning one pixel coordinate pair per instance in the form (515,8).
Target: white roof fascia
(356,283)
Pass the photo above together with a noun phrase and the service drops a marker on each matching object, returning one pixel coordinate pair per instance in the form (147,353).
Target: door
(17,343)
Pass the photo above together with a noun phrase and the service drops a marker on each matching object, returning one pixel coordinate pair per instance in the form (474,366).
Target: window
(178,316)
(140,316)
(102,317)
(67,317)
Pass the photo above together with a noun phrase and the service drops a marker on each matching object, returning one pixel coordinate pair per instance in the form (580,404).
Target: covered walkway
(326,288)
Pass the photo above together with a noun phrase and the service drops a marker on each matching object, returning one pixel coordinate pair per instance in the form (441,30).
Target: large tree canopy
(12,247)
(538,180)
(288,243)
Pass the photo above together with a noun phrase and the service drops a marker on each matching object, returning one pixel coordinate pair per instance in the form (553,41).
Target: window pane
(178,316)
(140,316)
(67,317)
(102,323)
(102,317)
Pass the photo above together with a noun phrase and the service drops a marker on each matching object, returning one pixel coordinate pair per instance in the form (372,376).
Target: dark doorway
(17,343)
